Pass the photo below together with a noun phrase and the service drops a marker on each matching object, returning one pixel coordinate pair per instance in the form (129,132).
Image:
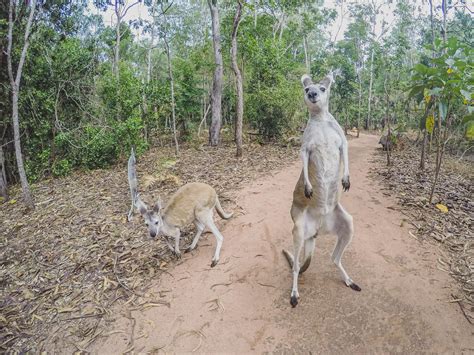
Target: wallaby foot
(189,249)
(346,183)
(293,301)
(177,254)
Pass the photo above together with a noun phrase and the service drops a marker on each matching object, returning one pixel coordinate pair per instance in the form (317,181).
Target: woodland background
(82,92)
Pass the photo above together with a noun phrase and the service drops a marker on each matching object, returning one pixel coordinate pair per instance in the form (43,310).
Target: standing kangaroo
(316,208)
(193,202)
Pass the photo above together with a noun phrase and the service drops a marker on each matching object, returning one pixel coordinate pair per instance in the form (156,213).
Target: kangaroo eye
(156,223)
(323,89)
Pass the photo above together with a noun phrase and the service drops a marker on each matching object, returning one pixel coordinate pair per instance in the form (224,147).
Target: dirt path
(242,305)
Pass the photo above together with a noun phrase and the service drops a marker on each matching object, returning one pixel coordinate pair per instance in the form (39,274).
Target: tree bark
(120,12)
(238,81)
(15,86)
(3,177)
(216,98)
(367,125)
(360,103)
(306,56)
(173,104)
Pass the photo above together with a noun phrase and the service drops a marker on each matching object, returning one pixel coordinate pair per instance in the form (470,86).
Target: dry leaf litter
(448,220)
(65,264)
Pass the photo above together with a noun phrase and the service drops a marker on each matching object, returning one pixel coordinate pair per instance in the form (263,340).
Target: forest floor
(241,305)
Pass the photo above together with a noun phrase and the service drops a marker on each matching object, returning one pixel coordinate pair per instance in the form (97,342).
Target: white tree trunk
(306,56)
(216,97)
(238,81)
(15,86)
(370,88)
(173,104)
(3,177)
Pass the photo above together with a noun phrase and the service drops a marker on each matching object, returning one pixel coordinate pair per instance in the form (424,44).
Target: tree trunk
(306,56)
(440,150)
(360,104)
(238,82)
(216,98)
(367,125)
(423,148)
(387,116)
(120,12)
(3,177)
(15,86)
(173,104)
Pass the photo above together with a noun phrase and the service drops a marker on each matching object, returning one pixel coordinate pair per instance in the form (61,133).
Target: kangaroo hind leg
(341,224)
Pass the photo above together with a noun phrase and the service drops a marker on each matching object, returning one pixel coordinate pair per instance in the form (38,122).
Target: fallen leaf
(442,207)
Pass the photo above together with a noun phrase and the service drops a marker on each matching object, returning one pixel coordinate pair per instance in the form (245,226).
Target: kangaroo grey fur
(316,208)
(132,182)
(192,203)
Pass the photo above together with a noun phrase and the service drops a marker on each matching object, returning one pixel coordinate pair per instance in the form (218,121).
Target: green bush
(61,167)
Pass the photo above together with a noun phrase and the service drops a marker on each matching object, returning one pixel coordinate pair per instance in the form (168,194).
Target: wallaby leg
(199,230)
(298,238)
(219,238)
(176,235)
(342,225)
(308,253)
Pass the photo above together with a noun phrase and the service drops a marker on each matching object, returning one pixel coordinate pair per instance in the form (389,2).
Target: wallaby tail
(220,211)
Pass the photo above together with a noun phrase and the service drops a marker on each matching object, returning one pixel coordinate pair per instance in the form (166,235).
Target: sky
(336,30)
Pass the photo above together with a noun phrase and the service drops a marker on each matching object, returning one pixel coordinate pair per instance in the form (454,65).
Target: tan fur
(316,208)
(192,203)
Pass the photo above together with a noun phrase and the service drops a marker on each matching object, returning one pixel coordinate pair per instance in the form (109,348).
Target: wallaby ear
(306,80)
(158,205)
(142,207)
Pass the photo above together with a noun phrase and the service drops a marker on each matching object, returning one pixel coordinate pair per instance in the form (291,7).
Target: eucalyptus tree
(238,80)
(216,99)
(15,81)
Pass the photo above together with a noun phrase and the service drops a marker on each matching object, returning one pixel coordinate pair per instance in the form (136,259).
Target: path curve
(242,305)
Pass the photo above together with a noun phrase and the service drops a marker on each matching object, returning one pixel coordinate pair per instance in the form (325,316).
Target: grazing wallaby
(193,202)
(316,208)
(132,182)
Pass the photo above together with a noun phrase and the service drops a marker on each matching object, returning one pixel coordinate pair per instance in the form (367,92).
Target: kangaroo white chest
(323,143)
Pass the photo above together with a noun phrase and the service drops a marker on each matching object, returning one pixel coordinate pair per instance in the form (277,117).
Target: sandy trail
(242,305)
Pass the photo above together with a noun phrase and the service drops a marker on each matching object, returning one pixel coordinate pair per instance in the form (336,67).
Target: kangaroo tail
(220,211)
(289,257)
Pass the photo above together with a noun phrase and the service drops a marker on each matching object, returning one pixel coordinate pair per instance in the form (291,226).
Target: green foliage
(449,80)
(75,114)
(272,98)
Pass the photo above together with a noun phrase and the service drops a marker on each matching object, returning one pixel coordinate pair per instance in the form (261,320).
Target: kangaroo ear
(327,80)
(158,205)
(306,80)
(142,207)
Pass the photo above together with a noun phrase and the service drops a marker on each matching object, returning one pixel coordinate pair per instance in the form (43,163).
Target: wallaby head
(152,217)
(317,94)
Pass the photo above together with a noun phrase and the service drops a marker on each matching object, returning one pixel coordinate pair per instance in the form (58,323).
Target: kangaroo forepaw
(177,254)
(214,263)
(308,191)
(346,183)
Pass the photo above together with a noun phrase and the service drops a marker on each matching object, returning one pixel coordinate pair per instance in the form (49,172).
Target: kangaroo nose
(153,235)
